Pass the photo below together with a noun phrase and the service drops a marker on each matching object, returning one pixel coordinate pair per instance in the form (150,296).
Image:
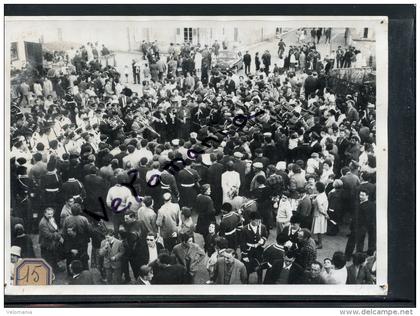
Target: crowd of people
(228,158)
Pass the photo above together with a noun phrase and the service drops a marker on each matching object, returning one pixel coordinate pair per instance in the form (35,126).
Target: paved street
(290,38)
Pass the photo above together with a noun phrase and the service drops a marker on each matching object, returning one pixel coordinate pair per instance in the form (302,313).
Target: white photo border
(379,23)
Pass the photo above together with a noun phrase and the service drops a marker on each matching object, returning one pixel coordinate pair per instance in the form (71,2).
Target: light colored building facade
(234,34)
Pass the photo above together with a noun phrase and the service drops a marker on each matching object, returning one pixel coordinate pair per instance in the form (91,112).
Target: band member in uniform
(50,185)
(229,225)
(25,192)
(188,179)
(273,257)
(168,182)
(254,236)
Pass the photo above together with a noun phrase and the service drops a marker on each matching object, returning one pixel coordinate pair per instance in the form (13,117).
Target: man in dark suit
(214,178)
(350,190)
(141,179)
(145,276)
(80,276)
(291,272)
(357,273)
(364,222)
(366,185)
(130,234)
(150,250)
(266,59)
(23,241)
(304,208)
(247,62)
(169,273)
(311,84)
(204,207)
(95,187)
(342,143)
(240,167)
(230,84)
(314,275)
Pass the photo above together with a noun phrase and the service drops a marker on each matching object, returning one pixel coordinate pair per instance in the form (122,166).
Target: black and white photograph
(196,155)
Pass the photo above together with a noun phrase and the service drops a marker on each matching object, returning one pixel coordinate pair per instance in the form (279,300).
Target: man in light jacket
(112,250)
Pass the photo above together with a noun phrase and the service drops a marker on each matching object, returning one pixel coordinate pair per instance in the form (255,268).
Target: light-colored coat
(238,276)
(117,251)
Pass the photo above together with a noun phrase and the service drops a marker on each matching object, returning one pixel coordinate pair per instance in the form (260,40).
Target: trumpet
(145,123)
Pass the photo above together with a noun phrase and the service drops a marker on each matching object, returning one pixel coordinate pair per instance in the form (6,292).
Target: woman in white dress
(231,182)
(319,223)
(284,213)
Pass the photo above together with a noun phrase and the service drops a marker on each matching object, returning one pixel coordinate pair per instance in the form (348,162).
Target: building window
(187,34)
(211,33)
(235,34)
(14,51)
(365,32)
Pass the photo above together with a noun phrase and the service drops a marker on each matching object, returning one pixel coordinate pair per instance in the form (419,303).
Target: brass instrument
(146,125)
(116,122)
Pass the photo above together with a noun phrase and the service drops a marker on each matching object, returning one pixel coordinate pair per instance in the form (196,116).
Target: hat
(193,135)
(175,142)
(21,160)
(238,154)
(268,134)
(281,165)
(254,215)
(167,196)
(205,159)
(314,155)
(15,250)
(258,165)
